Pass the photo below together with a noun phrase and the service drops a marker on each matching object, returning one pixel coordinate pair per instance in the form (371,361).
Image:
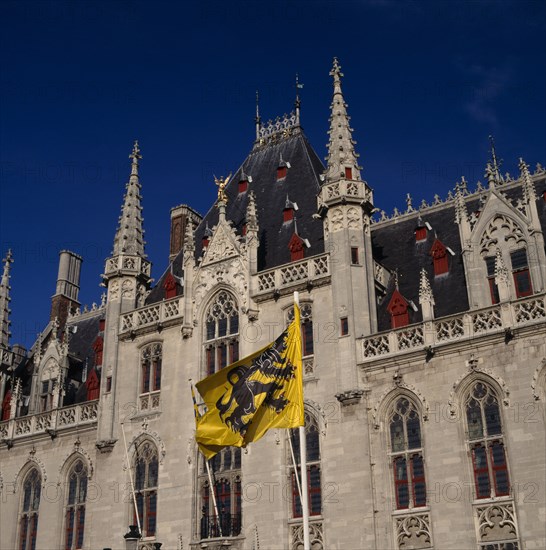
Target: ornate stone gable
(496,208)
(224,244)
(232,272)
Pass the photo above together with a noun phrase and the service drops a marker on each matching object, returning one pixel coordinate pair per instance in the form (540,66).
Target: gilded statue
(222,184)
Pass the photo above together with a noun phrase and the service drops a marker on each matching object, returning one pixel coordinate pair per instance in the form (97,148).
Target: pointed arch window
(146,484)
(486,442)
(306,318)
(221,333)
(314,488)
(226,469)
(406,450)
(28,522)
(150,375)
(75,506)
(520,272)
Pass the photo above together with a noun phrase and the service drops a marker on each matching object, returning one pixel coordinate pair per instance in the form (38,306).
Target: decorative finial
(297,103)
(425,290)
(135,156)
(495,164)
(258,120)
(336,70)
(529,192)
(395,274)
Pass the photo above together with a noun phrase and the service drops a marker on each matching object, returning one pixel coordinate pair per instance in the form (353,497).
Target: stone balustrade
(50,422)
(495,319)
(305,271)
(150,316)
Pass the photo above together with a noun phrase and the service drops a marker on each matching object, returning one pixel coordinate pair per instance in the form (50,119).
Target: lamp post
(132,538)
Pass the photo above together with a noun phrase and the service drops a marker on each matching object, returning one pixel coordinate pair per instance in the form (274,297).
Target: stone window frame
(150,375)
(226,468)
(220,347)
(74,526)
(146,492)
(29,509)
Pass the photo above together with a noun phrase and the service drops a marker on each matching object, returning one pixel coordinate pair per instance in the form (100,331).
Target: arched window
(406,451)
(226,469)
(48,382)
(485,439)
(150,375)
(312,445)
(75,506)
(146,481)
(221,333)
(306,317)
(28,522)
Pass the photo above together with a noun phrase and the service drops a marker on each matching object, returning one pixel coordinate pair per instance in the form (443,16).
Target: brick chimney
(65,298)
(179,220)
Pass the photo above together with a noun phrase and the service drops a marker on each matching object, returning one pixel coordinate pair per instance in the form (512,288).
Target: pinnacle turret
(4,301)
(129,239)
(342,158)
(529,192)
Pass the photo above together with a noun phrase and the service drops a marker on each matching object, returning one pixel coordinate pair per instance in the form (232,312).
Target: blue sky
(426,83)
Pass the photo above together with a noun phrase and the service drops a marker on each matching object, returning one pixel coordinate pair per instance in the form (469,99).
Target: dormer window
(520,272)
(243,186)
(102,324)
(398,308)
(296,247)
(289,210)
(205,241)
(93,386)
(244,229)
(288,214)
(170,286)
(420,234)
(439,257)
(348,173)
(281,172)
(98,346)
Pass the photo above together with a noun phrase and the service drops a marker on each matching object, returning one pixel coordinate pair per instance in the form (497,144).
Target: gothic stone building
(424,367)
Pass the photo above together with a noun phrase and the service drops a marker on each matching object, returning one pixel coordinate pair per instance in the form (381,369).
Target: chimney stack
(180,215)
(68,286)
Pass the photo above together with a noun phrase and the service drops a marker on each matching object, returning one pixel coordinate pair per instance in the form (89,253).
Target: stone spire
(502,277)
(129,239)
(341,152)
(529,192)
(492,170)
(426,298)
(461,213)
(251,213)
(4,301)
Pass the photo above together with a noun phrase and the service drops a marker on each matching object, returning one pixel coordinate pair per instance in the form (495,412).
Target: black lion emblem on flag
(245,386)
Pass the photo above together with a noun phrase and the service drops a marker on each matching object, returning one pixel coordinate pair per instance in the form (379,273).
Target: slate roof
(302,185)
(394,246)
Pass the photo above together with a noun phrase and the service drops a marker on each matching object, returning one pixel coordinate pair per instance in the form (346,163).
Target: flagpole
(214,498)
(131,479)
(211,484)
(303,470)
(294,464)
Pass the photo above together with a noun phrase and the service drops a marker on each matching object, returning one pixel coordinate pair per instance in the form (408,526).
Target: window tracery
(314,488)
(406,452)
(75,506)
(28,522)
(150,375)
(226,474)
(221,333)
(146,468)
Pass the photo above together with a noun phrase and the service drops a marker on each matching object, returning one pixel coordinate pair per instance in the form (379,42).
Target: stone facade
(428,435)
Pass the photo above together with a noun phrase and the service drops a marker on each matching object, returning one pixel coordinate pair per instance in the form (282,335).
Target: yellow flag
(259,392)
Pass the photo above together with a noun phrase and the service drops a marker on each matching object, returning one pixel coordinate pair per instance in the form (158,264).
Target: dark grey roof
(394,246)
(301,183)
